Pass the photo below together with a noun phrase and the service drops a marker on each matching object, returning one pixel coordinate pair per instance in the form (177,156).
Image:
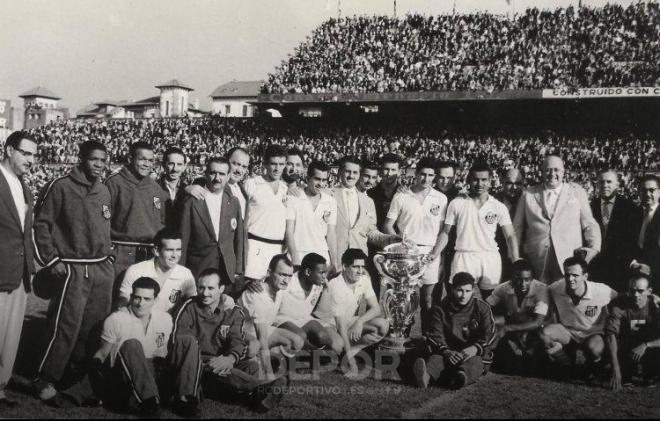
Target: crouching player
(209,352)
(337,309)
(461,336)
(299,300)
(130,364)
(520,306)
(632,332)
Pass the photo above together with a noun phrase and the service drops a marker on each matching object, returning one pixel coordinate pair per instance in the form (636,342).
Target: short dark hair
(14,139)
(136,146)
(234,149)
(311,260)
(349,160)
(390,158)
(146,282)
(446,164)
(479,166)
(279,258)
(317,166)
(174,150)
(351,255)
(521,265)
(86,148)
(165,234)
(576,261)
(368,165)
(426,162)
(216,160)
(273,151)
(222,278)
(650,177)
(295,151)
(462,278)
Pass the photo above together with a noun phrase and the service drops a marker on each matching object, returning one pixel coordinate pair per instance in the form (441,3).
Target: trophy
(401,264)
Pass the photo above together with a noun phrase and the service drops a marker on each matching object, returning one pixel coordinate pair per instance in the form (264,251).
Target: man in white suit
(553,221)
(356,213)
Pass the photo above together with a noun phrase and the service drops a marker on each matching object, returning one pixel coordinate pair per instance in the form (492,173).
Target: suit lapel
(341,206)
(562,199)
(226,214)
(596,211)
(538,195)
(203,211)
(361,206)
(8,199)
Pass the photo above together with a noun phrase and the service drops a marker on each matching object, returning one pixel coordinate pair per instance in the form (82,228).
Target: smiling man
(176,282)
(72,238)
(174,165)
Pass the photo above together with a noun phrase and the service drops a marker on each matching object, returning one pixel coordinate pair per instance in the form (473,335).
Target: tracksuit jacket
(218,333)
(138,207)
(455,328)
(72,221)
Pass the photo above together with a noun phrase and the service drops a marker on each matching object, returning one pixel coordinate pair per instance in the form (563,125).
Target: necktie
(605,214)
(642,232)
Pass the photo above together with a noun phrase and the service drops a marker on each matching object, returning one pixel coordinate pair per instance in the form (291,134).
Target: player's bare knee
(595,346)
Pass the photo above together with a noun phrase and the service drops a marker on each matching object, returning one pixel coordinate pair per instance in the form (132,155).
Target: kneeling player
(339,305)
(299,300)
(520,306)
(135,339)
(209,352)
(461,336)
(633,333)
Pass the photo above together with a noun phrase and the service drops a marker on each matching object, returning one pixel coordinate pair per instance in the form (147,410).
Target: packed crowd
(537,49)
(200,139)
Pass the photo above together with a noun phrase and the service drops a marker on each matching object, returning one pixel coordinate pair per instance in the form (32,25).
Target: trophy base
(396,345)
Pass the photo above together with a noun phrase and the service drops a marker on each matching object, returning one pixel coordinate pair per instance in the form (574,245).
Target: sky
(87,51)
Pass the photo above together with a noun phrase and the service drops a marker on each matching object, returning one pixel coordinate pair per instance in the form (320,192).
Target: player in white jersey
(419,215)
(476,217)
(266,213)
(311,219)
(176,282)
(299,300)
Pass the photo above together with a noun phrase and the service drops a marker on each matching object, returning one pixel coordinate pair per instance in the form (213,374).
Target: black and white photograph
(341,209)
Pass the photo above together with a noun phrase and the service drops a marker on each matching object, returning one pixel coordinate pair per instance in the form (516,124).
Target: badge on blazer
(435,210)
(491,218)
(160,339)
(106,212)
(233,223)
(174,296)
(326,216)
(157,202)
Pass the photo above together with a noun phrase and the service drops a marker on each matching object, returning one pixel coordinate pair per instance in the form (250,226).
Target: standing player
(368,177)
(176,282)
(174,165)
(266,213)
(137,208)
(311,218)
(72,239)
(16,250)
(419,216)
(476,217)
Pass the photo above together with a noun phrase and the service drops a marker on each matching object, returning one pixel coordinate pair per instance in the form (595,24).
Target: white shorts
(486,267)
(432,273)
(258,258)
(298,322)
(331,323)
(251,332)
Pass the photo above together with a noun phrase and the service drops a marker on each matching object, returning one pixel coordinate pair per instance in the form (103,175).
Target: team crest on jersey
(326,216)
(160,339)
(157,204)
(233,223)
(174,296)
(435,210)
(591,311)
(491,218)
(474,324)
(106,212)
(637,324)
(222,332)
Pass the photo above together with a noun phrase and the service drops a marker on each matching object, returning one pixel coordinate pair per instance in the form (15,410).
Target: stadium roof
(235,89)
(174,83)
(40,92)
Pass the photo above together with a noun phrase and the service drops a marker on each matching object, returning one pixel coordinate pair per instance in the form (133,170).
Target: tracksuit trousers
(441,371)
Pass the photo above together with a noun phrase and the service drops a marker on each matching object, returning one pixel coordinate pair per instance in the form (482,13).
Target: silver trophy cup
(401,265)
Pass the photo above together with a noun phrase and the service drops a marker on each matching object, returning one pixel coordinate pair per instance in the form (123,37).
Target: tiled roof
(174,83)
(41,92)
(237,88)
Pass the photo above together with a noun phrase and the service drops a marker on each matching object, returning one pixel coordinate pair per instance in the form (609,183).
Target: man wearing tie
(613,213)
(553,221)
(16,250)
(647,227)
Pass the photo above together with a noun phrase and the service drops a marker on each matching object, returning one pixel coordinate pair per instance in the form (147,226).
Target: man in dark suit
(613,214)
(212,231)
(174,165)
(646,227)
(16,250)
